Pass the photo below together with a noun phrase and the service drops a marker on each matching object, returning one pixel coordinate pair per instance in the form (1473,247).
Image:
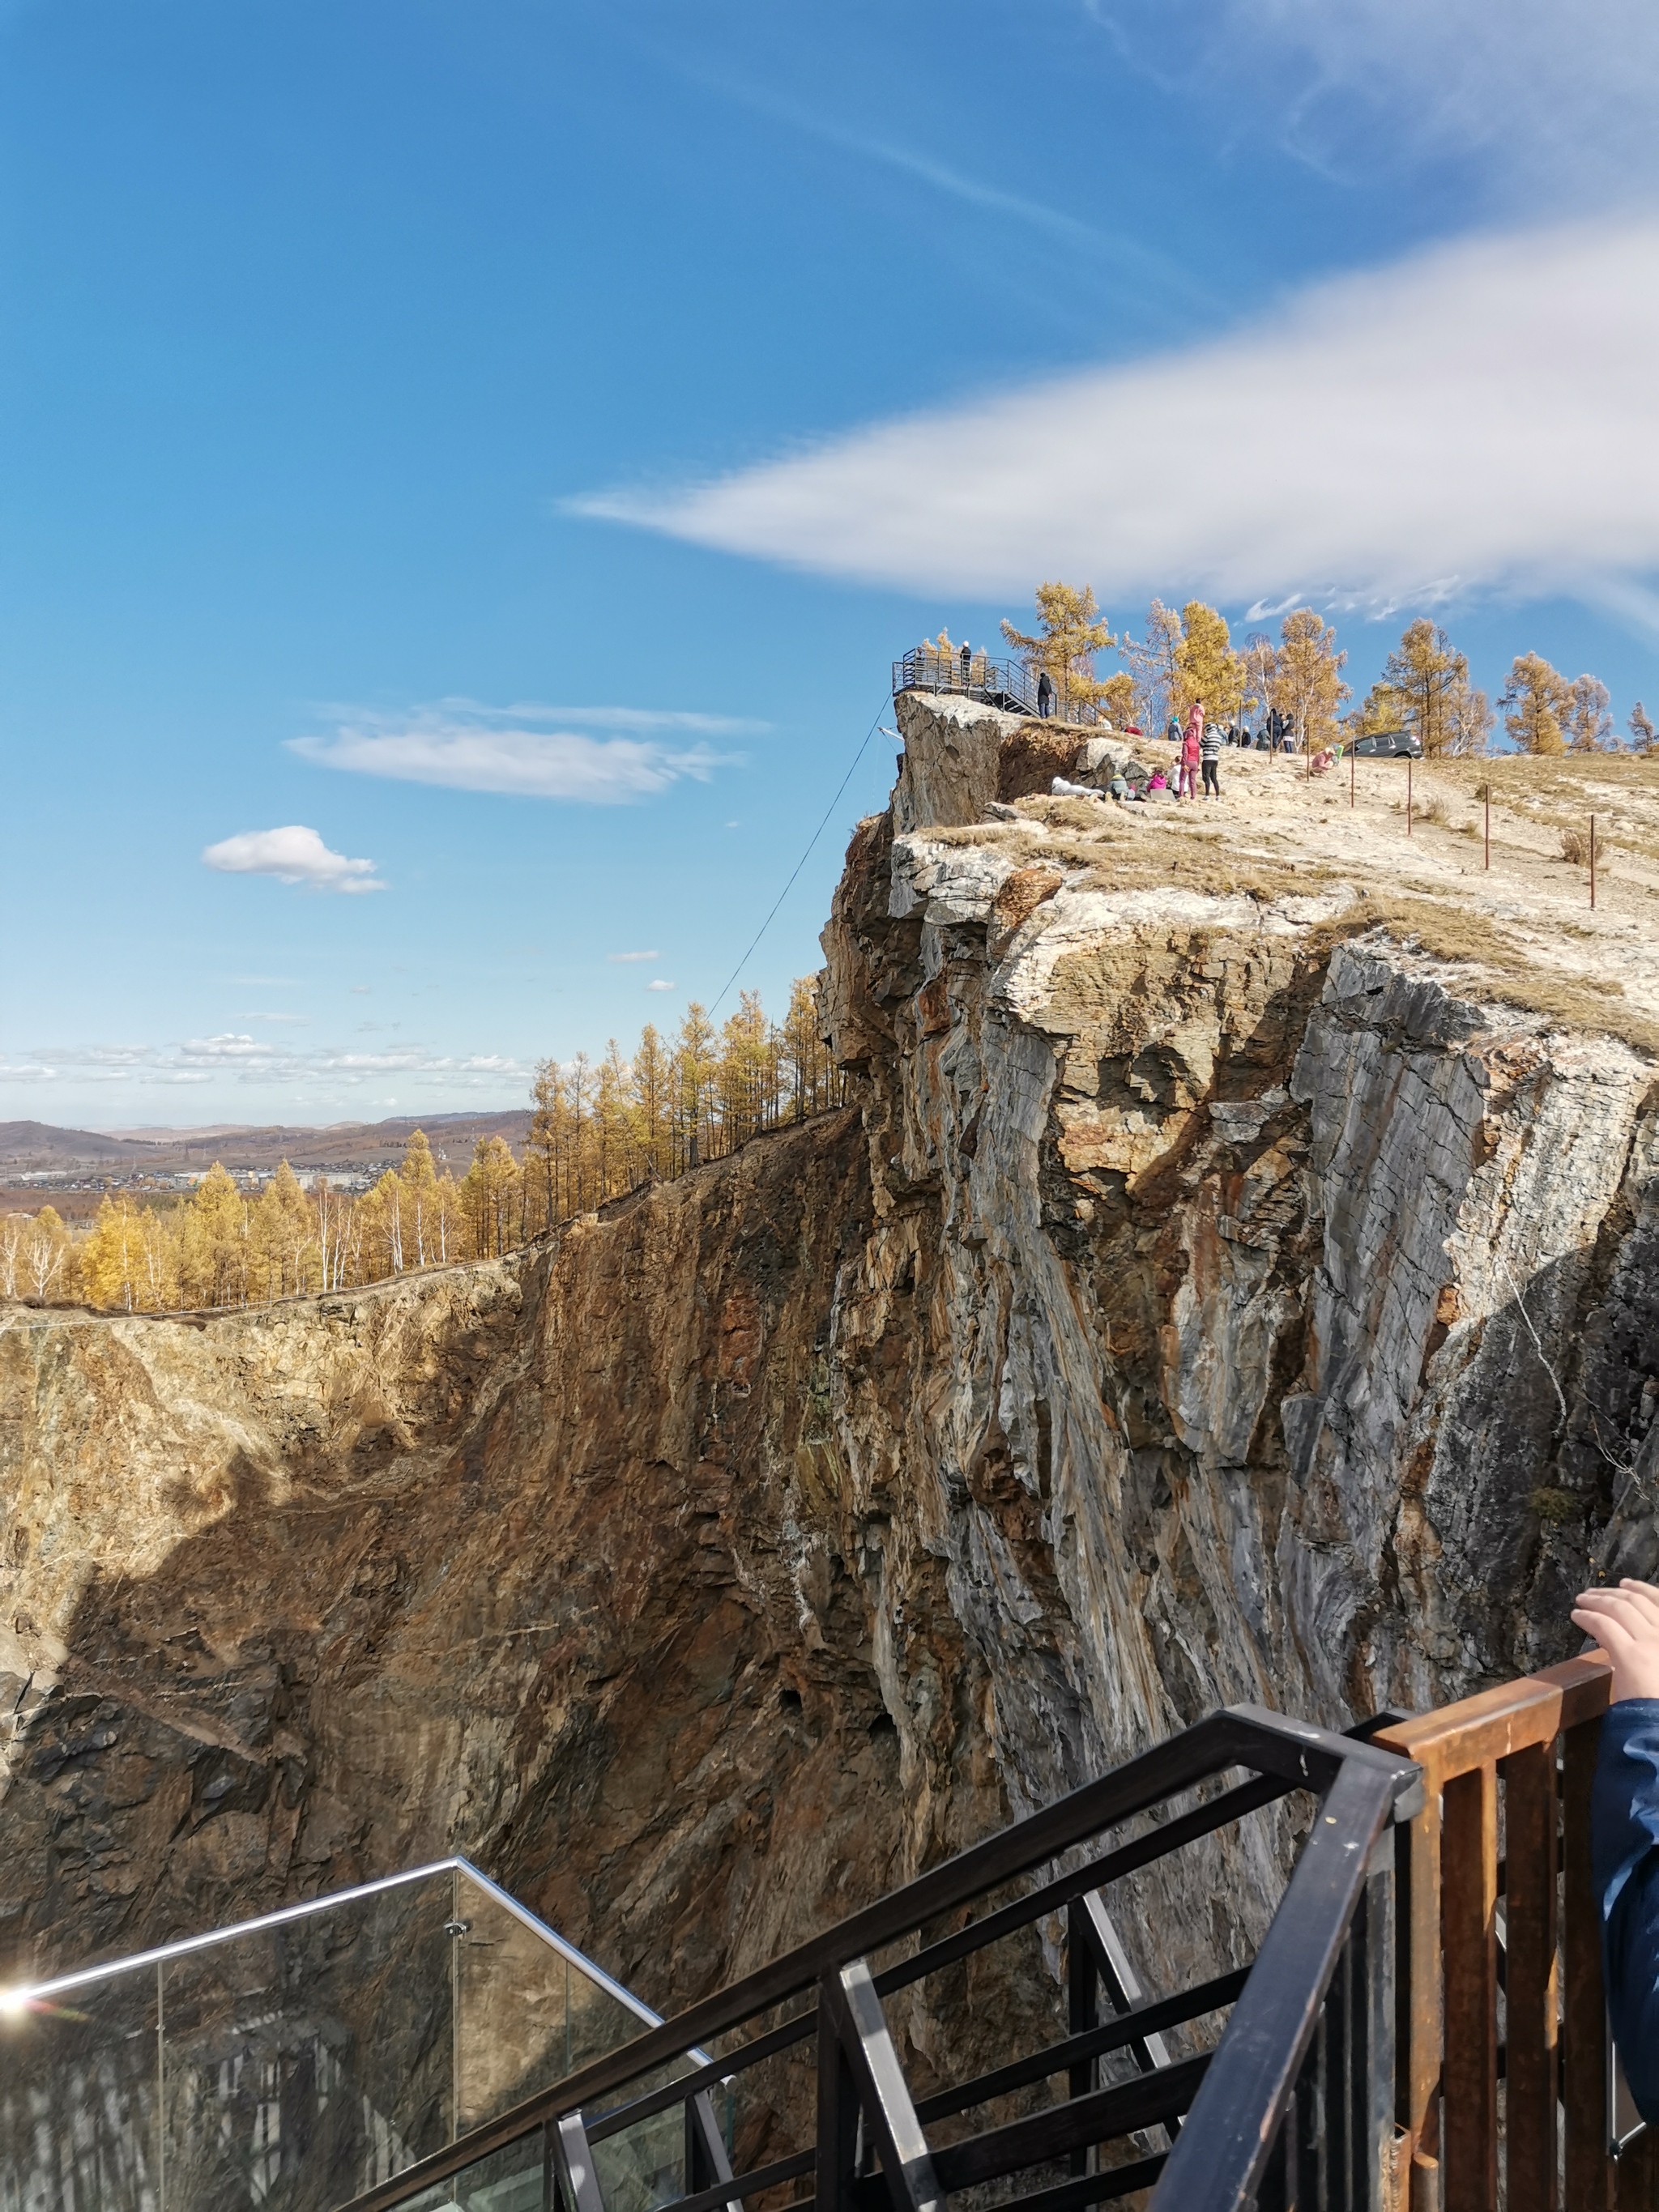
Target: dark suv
(1388,744)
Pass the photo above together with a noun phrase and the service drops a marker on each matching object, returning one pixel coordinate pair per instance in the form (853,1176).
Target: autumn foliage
(1188,654)
(597,1131)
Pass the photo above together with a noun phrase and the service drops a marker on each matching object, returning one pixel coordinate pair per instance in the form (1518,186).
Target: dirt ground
(1524,925)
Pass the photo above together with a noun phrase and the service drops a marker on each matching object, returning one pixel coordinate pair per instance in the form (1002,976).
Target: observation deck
(1003,684)
(1421,2027)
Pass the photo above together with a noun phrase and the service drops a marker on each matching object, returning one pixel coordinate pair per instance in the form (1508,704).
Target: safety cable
(874,725)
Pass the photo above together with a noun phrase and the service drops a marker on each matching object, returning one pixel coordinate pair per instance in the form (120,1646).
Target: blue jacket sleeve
(1624,1867)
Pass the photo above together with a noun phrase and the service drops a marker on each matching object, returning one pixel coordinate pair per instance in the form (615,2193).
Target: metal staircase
(1419,2028)
(807,2087)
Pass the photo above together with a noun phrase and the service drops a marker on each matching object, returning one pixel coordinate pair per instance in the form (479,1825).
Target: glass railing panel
(527,2014)
(306,2061)
(78,2107)
(294,2063)
(508,2181)
(644,2167)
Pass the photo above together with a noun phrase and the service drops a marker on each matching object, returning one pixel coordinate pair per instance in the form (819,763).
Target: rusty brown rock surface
(1214,1294)
(540,1561)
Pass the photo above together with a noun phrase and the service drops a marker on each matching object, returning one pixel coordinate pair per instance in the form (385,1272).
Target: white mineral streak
(1220,1240)
(1184,1315)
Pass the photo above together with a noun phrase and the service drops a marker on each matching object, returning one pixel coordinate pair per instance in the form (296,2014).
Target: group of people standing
(1197,749)
(1276,734)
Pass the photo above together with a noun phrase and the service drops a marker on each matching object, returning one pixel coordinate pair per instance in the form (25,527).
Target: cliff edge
(1236,1278)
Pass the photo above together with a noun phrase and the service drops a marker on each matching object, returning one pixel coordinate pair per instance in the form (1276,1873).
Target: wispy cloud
(521,751)
(626,956)
(1536,101)
(244,1058)
(1484,414)
(298,1021)
(1156,274)
(659,983)
(293,855)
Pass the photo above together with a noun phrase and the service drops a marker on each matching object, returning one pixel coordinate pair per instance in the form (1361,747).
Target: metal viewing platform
(1002,683)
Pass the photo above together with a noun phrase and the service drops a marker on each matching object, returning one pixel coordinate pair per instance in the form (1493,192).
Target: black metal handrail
(1005,683)
(1315,2003)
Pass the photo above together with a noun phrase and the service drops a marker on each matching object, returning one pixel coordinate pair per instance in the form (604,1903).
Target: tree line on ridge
(598,1130)
(1186,655)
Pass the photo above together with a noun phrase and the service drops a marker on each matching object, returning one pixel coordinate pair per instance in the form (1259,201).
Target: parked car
(1388,744)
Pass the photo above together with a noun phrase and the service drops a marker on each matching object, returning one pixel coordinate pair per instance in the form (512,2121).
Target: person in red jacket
(1191,746)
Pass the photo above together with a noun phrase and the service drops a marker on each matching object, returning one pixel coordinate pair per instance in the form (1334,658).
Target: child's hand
(1625,1622)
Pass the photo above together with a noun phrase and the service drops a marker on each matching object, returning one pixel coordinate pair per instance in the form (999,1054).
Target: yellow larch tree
(112,1271)
(284,1231)
(1071,631)
(448,1219)
(1536,702)
(613,1130)
(695,1065)
(1430,678)
(419,1178)
(489,1197)
(382,1213)
(1209,670)
(215,1252)
(1116,699)
(1589,717)
(649,1077)
(547,1149)
(1306,684)
(747,1076)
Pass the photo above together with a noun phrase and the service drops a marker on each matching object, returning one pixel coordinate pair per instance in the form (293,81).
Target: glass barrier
(526,2014)
(292,2063)
(78,2106)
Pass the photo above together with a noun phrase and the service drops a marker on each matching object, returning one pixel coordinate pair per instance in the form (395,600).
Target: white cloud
(659,983)
(467,747)
(625,956)
(293,855)
(1538,100)
(260,1060)
(1486,415)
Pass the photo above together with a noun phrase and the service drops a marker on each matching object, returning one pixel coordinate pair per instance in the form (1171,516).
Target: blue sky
(509,442)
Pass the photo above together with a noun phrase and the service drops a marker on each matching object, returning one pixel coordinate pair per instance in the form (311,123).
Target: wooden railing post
(1589,2172)
(1468,1920)
(1418,2111)
(1530,1985)
(1555,2022)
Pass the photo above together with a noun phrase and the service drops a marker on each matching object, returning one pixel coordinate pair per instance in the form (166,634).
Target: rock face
(1211,1297)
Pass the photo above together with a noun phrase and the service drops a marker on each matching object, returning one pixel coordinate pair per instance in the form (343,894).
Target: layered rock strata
(1212,1295)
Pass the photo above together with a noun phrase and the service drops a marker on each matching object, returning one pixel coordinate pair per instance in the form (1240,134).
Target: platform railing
(290,2060)
(806,2087)
(1507,2089)
(1006,683)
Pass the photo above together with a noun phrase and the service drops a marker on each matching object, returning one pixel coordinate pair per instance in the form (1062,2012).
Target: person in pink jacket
(1190,742)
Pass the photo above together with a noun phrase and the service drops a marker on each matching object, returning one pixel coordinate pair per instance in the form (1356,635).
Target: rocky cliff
(1231,1283)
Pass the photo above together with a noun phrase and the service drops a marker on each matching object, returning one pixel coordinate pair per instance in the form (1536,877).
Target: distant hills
(37,1147)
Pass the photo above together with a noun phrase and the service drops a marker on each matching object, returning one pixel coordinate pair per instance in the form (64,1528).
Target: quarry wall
(1211,1296)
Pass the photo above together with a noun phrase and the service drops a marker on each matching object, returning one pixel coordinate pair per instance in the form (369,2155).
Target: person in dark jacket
(1212,737)
(1625,1827)
(1045,695)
